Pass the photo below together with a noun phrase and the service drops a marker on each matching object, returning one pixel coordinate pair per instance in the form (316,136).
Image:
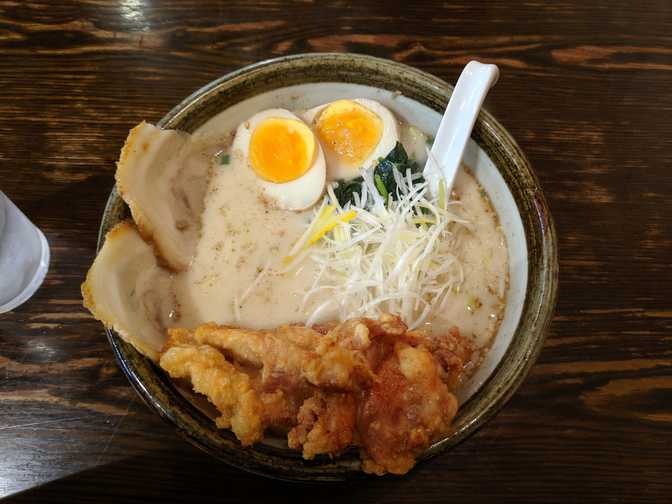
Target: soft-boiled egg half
(354,134)
(285,156)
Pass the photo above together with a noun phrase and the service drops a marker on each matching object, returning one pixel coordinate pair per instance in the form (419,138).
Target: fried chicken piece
(246,345)
(225,386)
(280,409)
(289,355)
(452,352)
(281,406)
(407,409)
(326,424)
(177,337)
(353,334)
(364,382)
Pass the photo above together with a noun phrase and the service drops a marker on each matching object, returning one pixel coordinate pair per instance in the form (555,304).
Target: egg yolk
(349,129)
(281,150)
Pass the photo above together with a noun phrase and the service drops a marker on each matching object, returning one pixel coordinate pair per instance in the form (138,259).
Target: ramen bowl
(496,161)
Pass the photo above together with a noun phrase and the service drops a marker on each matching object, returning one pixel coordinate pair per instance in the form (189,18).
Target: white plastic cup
(24,256)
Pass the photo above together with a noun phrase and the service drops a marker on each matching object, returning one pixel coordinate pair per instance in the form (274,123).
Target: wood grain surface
(586,89)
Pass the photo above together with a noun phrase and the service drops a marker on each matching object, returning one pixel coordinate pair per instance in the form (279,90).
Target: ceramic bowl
(302,81)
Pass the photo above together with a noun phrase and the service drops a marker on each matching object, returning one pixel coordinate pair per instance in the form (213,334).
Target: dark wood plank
(585,89)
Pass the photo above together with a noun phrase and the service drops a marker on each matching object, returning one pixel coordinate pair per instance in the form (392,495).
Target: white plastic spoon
(457,122)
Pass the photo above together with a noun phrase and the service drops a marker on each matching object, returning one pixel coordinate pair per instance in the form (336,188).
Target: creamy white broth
(477,308)
(242,235)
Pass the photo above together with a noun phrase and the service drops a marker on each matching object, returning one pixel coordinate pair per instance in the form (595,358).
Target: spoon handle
(457,122)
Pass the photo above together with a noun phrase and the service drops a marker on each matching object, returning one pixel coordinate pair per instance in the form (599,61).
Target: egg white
(336,168)
(297,194)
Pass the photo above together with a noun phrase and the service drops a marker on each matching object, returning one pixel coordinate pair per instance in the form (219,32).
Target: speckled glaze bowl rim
(158,391)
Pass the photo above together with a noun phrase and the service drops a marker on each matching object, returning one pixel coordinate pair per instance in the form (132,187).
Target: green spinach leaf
(383,174)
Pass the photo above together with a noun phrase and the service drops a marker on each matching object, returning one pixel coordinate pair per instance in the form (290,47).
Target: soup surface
(238,277)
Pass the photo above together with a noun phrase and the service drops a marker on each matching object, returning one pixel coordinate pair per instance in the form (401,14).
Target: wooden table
(586,89)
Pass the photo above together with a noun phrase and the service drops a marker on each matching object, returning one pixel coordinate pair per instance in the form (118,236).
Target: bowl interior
(305,96)
(301,82)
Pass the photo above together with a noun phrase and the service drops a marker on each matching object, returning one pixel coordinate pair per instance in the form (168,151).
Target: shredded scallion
(393,255)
